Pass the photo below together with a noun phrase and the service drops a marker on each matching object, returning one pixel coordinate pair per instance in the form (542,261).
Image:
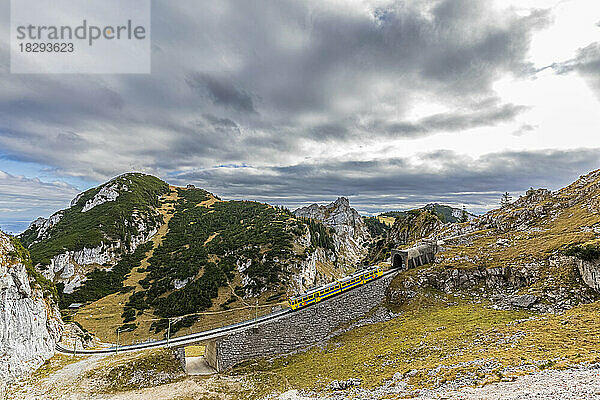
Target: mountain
(540,252)
(147,251)
(351,235)
(408,228)
(446,214)
(513,292)
(30,323)
(102,225)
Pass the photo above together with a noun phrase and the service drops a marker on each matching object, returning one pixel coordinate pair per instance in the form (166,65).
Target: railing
(209,334)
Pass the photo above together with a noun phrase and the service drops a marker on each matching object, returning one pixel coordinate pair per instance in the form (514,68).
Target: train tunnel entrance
(397,261)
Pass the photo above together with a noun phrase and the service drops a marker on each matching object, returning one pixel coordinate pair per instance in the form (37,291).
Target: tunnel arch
(397,261)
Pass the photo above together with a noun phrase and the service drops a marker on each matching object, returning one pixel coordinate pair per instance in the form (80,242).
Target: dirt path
(52,386)
(69,380)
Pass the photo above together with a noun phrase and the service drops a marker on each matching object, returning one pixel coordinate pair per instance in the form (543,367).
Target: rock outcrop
(316,269)
(351,235)
(42,225)
(30,324)
(541,252)
(413,227)
(590,273)
(71,267)
(109,192)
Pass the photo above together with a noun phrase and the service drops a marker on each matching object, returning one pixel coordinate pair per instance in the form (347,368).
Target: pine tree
(505,200)
(464,217)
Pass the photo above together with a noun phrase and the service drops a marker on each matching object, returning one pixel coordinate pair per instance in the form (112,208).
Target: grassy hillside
(109,222)
(102,282)
(534,232)
(245,247)
(207,255)
(437,340)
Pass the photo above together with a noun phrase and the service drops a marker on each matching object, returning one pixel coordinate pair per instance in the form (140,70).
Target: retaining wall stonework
(301,328)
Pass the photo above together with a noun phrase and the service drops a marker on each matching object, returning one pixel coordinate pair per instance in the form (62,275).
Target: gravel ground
(580,383)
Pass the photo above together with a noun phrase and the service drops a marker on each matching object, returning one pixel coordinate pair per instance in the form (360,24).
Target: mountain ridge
(210,254)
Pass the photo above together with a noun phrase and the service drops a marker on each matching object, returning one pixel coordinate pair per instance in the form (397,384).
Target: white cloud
(271,85)
(24,199)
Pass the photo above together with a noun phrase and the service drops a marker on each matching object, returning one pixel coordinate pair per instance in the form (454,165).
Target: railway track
(199,336)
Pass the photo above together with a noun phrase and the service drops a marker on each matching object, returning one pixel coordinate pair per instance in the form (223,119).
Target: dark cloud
(255,87)
(267,78)
(454,121)
(378,185)
(221,92)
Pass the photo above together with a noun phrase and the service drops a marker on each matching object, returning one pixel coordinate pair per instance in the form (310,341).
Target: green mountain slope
(209,245)
(143,251)
(119,221)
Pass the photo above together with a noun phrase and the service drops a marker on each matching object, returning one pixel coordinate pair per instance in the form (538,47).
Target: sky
(393,104)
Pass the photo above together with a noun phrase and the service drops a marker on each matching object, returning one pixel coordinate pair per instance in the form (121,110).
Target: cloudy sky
(392,103)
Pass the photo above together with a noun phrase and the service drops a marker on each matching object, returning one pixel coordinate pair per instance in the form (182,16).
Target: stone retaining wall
(301,328)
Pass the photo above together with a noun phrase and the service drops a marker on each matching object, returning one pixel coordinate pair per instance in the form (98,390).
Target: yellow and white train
(337,287)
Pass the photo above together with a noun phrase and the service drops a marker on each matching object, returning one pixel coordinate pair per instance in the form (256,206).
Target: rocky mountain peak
(351,232)
(340,202)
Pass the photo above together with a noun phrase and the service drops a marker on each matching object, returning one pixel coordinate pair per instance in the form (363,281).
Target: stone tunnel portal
(397,262)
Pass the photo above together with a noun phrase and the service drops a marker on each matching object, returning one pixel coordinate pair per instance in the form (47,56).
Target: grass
(135,371)
(448,335)
(194,351)
(389,221)
(54,364)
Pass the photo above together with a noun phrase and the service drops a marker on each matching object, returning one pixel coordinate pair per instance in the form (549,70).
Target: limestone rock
(108,192)
(30,325)
(343,385)
(43,225)
(590,273)
(351,233)
(522,301)
(71,267)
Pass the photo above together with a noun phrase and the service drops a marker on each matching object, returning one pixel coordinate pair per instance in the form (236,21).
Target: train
(337,287)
